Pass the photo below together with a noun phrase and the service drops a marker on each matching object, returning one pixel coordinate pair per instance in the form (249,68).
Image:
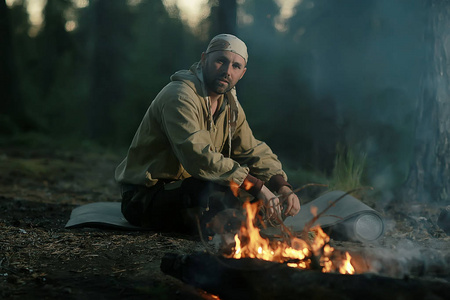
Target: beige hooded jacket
(178,138)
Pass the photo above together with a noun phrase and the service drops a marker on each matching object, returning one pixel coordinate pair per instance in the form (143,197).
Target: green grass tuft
(349,170)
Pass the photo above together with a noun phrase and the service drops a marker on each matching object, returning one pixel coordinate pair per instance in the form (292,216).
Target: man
(194,143)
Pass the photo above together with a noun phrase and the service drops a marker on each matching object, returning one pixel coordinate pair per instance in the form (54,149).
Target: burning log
(290,266)
(249,278)
(417,262)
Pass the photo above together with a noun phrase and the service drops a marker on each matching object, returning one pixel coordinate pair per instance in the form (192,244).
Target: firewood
(256,279)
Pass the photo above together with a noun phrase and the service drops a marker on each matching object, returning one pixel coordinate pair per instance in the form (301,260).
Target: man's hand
(272,204)
(289,200)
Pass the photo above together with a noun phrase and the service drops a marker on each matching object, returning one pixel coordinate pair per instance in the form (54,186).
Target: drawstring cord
(208,106)
(208,100)
(229,131)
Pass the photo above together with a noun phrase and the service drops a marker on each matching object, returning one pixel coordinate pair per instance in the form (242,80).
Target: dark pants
(163,208)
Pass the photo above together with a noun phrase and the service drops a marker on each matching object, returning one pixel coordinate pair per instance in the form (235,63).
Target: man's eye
(237,67)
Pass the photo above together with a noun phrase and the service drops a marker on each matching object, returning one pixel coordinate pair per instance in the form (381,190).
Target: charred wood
(256,279)
(398,264)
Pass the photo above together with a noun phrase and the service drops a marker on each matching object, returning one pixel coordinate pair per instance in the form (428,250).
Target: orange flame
(247,185)
(234,188)
(346,267)
(297,253)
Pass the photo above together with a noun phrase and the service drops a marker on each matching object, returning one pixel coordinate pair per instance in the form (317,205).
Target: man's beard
(218,85)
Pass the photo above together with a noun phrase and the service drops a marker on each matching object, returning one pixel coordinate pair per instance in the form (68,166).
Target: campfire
(295,252)
(295,265)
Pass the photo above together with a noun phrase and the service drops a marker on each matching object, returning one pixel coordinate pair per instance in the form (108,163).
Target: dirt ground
(40,259)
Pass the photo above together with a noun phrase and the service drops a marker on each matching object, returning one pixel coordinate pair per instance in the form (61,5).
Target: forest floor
(40,259)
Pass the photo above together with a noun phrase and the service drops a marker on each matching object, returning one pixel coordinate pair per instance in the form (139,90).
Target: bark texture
(256,279)
(429,178)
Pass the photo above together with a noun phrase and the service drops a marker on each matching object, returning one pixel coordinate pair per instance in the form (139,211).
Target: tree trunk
(223,17)
(429,178)
(227,16)
(9,103)
(108,30)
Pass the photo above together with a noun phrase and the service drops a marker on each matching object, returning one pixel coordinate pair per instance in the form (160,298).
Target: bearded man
(194,143)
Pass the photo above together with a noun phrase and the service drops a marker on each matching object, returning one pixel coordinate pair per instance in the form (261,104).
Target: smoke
(345,72)
(413,245)
(407,259)
(369,58)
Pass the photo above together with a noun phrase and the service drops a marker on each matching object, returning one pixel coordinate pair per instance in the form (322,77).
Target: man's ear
(203,58)
(245,70)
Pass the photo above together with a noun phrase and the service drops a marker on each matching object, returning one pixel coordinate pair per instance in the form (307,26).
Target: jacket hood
(192,77)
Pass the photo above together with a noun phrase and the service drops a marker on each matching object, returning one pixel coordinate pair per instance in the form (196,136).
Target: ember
(296,253)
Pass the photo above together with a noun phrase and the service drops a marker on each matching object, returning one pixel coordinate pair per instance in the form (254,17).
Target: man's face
(222,70)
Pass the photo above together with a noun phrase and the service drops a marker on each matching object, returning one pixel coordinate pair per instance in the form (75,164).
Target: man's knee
(132,206)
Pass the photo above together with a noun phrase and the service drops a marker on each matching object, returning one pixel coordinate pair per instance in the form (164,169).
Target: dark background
(349,93)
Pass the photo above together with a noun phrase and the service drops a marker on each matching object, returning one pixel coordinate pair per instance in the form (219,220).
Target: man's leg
(177,209)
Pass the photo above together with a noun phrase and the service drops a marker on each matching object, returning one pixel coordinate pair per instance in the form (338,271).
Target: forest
(351,95)
(338,89)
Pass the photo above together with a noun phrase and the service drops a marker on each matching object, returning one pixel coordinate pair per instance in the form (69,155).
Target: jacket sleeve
(182,122)
(255,154)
